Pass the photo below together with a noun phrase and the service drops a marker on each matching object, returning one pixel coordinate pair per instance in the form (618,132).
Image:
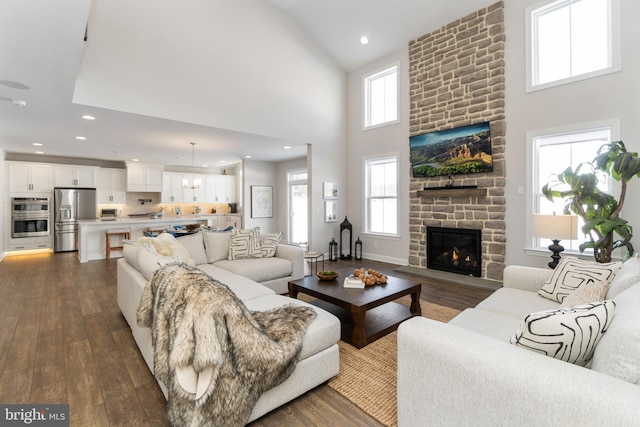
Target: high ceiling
(237,77)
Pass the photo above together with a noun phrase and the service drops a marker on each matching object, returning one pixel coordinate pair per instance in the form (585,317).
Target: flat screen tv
(462,150)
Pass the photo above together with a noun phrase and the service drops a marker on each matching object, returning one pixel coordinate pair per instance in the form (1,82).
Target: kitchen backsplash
(141,203)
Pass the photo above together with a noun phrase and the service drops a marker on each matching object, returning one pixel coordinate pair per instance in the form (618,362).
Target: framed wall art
(330,211)
(330,190)
(261,201)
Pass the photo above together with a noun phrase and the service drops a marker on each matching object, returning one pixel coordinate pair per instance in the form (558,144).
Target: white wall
(327,163)
(282,203)
(392,139)
(237,65)
(259,173)
(614,96)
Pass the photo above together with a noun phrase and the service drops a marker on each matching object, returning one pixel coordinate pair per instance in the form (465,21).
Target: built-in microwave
(30,217)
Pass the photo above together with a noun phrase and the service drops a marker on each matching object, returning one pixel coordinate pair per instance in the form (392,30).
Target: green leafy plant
(603,226)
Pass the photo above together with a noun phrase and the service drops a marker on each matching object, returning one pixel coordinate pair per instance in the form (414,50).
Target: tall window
(298,230)
(381,97)
(571,40)
(381,189)
(553,153)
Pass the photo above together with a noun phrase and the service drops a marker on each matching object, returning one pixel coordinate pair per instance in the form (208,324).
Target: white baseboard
(390,260)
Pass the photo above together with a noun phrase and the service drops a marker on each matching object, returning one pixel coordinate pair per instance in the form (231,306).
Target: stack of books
(353,282)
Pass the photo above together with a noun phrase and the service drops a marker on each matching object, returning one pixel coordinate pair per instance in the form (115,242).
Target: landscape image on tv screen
(462,150)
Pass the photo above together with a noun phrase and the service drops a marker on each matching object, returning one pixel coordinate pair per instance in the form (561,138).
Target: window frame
(291,182)
(366,162)
(366,95)
(614,53)
(534,245)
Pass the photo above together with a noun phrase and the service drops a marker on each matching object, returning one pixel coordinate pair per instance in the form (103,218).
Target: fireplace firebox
(457,250)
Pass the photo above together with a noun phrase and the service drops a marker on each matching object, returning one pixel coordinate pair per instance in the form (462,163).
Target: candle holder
(333,250)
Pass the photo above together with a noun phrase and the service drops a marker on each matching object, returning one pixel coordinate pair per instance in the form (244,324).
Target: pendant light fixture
(195,183)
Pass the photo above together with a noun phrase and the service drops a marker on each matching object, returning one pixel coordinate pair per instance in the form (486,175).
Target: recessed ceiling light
(19,102)
(88,117)
(37,144)
(247,157)
(364,40)
(81,138)
(135,160)
(286,147)
(205,166)
(39,152)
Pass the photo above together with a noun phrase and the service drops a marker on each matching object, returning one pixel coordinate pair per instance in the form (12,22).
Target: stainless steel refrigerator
(71,205)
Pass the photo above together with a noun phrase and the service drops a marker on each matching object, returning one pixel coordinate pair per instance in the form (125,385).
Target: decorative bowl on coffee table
(328,275)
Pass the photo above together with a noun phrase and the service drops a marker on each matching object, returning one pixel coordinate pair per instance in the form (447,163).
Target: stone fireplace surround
(457,78)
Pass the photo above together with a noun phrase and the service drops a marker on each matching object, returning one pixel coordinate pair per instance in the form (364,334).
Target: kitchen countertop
(141,219)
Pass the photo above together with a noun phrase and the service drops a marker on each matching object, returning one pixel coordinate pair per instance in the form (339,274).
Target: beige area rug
(368,375)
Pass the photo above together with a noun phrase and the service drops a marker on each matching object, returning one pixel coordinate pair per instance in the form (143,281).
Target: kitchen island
(92,239)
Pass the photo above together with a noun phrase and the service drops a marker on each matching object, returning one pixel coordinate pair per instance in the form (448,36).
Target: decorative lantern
(346,226)
(358,249)
(333,250)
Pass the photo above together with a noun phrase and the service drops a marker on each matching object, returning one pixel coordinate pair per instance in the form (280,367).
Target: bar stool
(124,232)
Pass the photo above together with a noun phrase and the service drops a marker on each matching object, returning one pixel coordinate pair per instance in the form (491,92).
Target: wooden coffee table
(365,314)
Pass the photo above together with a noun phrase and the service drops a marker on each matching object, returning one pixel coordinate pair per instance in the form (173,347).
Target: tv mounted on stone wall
(462,150)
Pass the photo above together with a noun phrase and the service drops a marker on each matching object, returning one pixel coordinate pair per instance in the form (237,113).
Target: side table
(313,259)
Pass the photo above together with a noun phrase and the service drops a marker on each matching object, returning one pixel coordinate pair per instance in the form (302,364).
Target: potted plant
(600,211)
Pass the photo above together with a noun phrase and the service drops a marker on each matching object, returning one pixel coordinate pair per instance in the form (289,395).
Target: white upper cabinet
(174,191)
(29,177)
(171,187)
(74,176)
(221,188)
(198,194)
(111,186)
(144,177)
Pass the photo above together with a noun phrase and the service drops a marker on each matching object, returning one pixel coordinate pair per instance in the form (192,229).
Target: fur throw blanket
(198,322)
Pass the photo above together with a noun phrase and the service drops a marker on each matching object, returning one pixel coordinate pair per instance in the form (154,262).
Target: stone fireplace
(456,250)
(457,78)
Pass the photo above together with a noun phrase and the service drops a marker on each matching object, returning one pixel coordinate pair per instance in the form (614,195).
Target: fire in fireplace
(457,250)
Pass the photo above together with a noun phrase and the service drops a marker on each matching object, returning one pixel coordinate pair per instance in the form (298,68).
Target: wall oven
(30,217)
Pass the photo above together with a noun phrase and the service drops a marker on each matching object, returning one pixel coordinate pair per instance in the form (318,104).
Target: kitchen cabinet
(144,177)
(29,177)
(195,194)
(30,243)
(111,186)
(226,188)
(173,190)
(171,187)
(74,176)
(221,188)
(227,220)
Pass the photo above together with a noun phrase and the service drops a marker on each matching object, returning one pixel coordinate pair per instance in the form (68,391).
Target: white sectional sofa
(319,359)
(467,372)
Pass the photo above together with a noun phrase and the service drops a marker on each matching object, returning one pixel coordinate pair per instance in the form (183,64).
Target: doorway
(298,208)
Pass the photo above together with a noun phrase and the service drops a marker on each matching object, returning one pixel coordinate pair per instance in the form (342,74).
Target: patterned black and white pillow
(568,334)
(244,243)
(270,244)
(571,273)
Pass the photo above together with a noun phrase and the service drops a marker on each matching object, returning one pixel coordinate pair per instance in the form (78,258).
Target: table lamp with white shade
(556,228)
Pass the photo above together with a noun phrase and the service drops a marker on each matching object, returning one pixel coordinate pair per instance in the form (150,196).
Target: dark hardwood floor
(64,340)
